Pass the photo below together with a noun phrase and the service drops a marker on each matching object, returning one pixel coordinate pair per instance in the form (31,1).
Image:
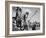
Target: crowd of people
(20,22)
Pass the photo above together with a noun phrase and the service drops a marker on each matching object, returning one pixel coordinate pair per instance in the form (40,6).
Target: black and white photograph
(25,18)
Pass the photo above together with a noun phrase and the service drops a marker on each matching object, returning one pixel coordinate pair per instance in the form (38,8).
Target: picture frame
(23,5)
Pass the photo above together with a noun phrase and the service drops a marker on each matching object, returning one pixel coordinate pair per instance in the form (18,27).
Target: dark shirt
(34,27)
(24,17)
